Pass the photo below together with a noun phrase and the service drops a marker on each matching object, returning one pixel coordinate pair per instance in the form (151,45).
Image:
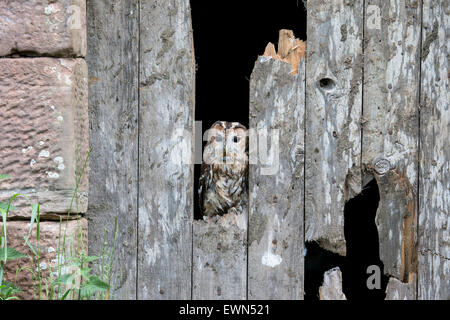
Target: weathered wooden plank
(333,111)
(113,41)
(331,288)
(277,108)
(434,189)
(390,130)
(220,258)
(166,124)
(398,290)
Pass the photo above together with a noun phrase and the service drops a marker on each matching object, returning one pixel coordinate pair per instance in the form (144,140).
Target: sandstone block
(43,27)
(52,252)
(44,132)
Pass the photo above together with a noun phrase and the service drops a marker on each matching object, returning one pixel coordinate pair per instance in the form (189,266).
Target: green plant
(73,278)
(7,290)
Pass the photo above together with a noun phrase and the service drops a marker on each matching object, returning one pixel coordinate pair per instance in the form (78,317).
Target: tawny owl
(224,173)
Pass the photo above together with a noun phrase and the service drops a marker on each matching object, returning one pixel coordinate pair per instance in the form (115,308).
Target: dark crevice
(361,236)
(317,262)
(227,42)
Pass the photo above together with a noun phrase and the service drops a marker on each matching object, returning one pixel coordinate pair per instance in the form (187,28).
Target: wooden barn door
(369,102)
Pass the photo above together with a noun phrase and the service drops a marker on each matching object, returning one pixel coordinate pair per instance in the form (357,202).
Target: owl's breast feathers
(221,187)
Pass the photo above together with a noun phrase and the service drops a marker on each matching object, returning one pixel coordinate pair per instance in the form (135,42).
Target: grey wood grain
(390,130)
(113,42)
(434,189)
(220,258)
(333,112)
(399,290)
(166,121)
(277,107)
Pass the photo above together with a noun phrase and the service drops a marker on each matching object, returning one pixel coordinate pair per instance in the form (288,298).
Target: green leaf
(65,294)
(4,176)
(93,286)
(91,259)
(85,273)
(7,289)
(65,279)
(11,254)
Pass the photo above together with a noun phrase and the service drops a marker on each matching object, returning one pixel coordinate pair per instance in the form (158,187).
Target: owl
(224,172)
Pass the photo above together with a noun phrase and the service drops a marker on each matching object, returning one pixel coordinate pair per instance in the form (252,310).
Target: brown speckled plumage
(224,172)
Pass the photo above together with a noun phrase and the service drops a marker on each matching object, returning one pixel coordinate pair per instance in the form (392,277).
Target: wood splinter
(290,49)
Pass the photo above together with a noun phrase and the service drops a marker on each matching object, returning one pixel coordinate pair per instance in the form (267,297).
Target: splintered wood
(290,49)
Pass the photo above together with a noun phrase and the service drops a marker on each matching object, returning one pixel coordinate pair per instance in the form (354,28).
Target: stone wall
(44,126)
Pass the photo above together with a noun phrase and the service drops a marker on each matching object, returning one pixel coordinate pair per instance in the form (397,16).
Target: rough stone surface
(331,288)
(43,133)
(51,250)
(43,27)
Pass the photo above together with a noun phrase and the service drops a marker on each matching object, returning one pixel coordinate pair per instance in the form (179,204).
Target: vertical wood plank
(220,258)
(390,130)
(277,107)
(333,111)
(112,57)
(166,122)
(434,202)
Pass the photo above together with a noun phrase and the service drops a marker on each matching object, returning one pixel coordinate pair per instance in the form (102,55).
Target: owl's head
(227,143)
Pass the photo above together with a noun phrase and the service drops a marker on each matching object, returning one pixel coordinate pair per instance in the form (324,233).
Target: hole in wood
(361,236)
(326,84)
(225,52)
(317,262)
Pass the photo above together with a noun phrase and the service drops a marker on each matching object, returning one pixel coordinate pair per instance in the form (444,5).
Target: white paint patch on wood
(277,102)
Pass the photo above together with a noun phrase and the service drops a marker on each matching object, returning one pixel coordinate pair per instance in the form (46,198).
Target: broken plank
(398,290)
(390,130)
(333,112)
(331,288)
(277,106)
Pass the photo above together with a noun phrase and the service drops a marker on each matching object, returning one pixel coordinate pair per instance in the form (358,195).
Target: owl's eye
(236,139)
(218,138)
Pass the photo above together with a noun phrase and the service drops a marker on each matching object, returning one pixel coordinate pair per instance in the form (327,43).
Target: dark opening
(361,236)
(317,262)
(228,38)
